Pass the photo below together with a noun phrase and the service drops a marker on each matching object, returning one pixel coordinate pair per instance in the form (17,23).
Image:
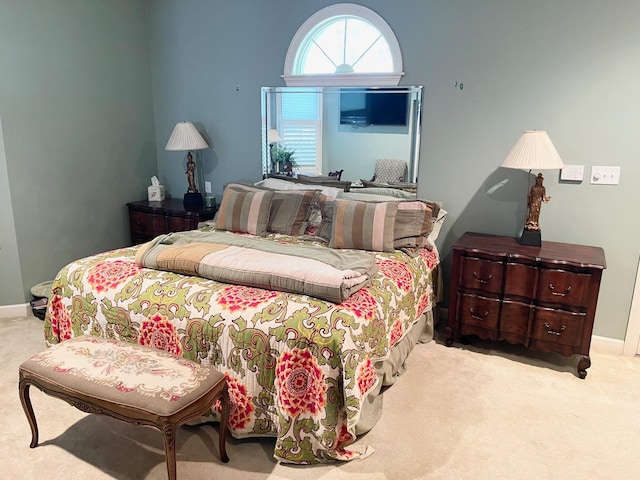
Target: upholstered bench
(130,382)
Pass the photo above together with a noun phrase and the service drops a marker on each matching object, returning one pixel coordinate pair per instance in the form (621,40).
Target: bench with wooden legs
(130,382)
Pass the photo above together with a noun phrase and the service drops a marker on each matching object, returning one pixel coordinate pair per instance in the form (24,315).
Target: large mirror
(318,131)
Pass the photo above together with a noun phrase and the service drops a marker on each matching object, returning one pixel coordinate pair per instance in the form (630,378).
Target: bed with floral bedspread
(298,368)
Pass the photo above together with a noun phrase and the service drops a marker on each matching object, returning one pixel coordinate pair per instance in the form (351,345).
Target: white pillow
(437,225)
(285,185)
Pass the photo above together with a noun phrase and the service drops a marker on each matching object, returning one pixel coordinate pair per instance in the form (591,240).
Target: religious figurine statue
(537,195)
(191,171)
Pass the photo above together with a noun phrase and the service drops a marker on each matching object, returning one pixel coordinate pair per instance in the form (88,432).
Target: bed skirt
(391,369)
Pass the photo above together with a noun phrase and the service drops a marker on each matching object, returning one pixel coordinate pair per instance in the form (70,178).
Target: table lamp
(272,137)
(533,151)
(186,138)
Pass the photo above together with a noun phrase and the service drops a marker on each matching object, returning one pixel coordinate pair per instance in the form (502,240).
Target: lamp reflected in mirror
(272,139)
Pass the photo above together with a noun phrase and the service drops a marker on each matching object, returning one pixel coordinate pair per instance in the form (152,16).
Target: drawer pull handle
(476,316)
(480,280)
(560,294)
(550,331)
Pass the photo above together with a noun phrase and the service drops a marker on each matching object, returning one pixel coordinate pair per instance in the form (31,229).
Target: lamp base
(531,237)
(193,201)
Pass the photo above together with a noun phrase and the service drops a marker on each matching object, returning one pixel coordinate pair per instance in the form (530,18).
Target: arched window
(343,44)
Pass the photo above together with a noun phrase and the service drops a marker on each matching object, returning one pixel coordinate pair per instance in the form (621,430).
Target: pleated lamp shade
(533,151)
(185,137)
(272,136)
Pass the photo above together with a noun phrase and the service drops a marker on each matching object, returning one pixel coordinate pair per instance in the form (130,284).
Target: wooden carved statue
(537,195)
(191,173)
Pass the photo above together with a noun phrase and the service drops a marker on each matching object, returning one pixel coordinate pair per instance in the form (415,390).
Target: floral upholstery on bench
(131,382)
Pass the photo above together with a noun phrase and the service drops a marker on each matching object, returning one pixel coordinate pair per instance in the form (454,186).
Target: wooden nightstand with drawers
(147,220)
(541,297)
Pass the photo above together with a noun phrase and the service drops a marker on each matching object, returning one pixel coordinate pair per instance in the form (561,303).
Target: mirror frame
(413,128)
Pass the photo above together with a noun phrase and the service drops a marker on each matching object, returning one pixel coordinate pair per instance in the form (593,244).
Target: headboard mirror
(332,129)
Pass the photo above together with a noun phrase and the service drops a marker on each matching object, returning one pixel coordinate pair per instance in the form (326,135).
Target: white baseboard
(19,310)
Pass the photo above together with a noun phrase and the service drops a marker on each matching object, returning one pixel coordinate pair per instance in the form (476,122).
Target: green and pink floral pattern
(298,368)
(157,331)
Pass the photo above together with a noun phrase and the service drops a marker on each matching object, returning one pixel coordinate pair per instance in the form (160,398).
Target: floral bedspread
(298,368)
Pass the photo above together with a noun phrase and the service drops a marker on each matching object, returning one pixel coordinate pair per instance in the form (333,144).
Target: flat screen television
(373,107)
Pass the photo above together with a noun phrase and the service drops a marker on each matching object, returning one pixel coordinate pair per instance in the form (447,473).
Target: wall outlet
(207,187)
(605,175)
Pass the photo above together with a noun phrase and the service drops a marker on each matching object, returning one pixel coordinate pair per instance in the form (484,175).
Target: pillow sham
(244,211)
(363,225)
(415,219)
(414,222)
(290,209)
(290,212)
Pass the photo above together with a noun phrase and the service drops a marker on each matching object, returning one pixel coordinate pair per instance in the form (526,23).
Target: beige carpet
(458,413)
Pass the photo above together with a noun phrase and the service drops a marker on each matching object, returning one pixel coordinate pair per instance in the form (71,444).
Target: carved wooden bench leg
(25,400)
(224,424)
(169,436)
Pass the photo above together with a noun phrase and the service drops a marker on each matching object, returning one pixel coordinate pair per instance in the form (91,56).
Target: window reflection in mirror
(321,130)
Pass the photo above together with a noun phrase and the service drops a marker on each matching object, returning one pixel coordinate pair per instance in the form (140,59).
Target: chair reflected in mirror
(390,171)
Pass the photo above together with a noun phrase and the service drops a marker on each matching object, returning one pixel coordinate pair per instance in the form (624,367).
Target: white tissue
(155,191)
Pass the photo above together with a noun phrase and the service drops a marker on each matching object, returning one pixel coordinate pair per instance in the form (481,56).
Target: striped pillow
(414,222)
(290,209)
(244,211)
(363,226)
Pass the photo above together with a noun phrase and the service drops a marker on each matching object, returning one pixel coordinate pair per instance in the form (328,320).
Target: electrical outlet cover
(605,175)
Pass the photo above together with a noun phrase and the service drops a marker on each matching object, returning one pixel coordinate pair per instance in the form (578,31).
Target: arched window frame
(343,79)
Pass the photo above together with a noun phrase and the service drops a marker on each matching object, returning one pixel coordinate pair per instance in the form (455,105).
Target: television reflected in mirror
(316,131)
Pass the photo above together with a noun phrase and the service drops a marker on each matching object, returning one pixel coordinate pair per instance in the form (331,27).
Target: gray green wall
(567,66)
(79,100)
(79,142)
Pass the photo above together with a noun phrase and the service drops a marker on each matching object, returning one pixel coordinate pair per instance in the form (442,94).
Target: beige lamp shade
(185,137)
(272,136)
(533,151)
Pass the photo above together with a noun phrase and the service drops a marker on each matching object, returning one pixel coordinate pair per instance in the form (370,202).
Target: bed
(305,363)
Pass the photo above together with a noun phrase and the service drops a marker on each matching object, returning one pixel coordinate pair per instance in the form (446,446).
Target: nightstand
(147,219)
(541,297)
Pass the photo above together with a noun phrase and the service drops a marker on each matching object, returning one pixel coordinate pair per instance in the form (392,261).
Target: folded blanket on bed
(260,262)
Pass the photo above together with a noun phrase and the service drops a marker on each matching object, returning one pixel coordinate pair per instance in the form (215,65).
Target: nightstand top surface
(556,252)
(170,205)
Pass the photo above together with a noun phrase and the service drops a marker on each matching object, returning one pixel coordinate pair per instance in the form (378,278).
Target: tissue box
(155,193)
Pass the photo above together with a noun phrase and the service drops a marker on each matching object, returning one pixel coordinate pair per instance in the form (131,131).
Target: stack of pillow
(356,221)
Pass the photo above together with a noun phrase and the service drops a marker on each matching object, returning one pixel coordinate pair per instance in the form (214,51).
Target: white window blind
(301,128)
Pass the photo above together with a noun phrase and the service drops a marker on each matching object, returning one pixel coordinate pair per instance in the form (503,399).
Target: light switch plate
(574,173)
(604,175)
(207,187)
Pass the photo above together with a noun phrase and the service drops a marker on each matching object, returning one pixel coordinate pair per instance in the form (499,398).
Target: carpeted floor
(466,412)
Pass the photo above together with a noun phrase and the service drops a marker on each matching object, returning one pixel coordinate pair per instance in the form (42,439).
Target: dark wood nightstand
(149,219)
(541,297)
